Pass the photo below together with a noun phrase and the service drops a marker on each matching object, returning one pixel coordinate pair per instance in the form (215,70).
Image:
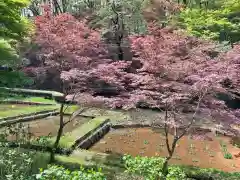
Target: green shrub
(15,164)
(213,174)
(228,155)
(150,168)
(221,24)
(14,79)
(209,24)
(43,141)
(60,173)
(175,173)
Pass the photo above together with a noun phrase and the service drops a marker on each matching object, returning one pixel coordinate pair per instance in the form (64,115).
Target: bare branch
(166,128)
(193,117)
(70,101)
(75,114)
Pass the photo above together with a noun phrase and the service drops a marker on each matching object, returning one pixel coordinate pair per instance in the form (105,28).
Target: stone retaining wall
(25,103)
(29,117)
(43,93)
(95,136)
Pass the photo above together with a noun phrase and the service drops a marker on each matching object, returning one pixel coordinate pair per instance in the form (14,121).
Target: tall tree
(13,30)
(166,65)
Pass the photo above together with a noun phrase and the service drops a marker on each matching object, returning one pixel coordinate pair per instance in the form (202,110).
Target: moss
(69,139)
(41,160)
(91,159)
(39,100)
(7,110)
(30,99)
(71,109)
(78,158)
(32,91)
(70,159)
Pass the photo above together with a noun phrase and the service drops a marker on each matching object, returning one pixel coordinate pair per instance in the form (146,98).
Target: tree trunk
(64,6)
(165,165)
(59,134)
(57,8)
(34,10)
(120,51)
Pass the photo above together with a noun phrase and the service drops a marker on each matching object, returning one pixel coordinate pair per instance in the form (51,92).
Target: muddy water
(202,151)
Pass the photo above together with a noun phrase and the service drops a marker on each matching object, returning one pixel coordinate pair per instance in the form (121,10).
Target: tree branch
(193,117)
(70,101)
(166,132)
(74,114)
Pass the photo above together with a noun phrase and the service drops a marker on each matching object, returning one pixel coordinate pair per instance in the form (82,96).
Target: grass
(90,158)
(69,139)
(39,100)
(210,173)
(31,91)
(115,116)
(41,160)
(71,109)
(30,99)
(7,110)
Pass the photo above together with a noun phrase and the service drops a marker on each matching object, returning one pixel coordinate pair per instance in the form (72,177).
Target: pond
(206,151)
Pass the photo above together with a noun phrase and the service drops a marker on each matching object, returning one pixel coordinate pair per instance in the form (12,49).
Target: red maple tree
(168,67)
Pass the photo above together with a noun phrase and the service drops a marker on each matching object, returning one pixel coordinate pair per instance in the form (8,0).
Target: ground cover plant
(54,172)
(12,110)
(29,99)
(151,168)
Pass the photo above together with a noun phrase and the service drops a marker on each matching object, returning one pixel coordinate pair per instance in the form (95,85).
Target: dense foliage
(82,48)
(15,164)
(13,31)
(219,21)
(13,27)
(56,172)
(167,67)
(150,168)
